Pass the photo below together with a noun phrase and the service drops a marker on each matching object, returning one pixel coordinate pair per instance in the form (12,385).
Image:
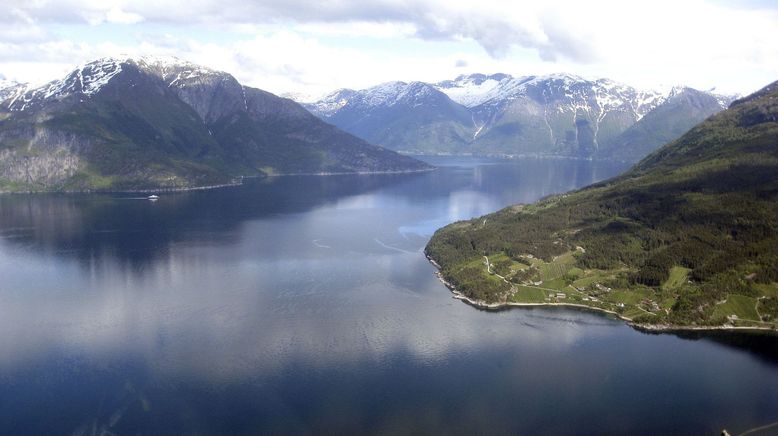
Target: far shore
(129,191)
(655,328)
(511,156)
(354,173)
(238,182)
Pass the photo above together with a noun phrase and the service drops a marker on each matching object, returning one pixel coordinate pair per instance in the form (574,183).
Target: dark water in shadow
(305,305)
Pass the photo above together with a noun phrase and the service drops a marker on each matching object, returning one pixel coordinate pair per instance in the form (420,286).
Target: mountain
(9,89)
(687,237)
(473,89)
(409,117)
(147,123)
(683,109)
(559,114)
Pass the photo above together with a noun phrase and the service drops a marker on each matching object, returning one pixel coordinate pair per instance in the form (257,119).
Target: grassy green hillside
(689,236)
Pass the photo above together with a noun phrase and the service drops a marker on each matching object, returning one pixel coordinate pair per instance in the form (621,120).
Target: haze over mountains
(116,124)
(558,114)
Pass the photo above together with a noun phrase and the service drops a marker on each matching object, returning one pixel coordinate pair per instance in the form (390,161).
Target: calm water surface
(305,305)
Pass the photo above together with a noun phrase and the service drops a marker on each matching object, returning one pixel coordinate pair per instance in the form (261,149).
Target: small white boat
(153,197)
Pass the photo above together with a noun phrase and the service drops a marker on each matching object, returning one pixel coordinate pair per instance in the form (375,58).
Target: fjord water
(305,304)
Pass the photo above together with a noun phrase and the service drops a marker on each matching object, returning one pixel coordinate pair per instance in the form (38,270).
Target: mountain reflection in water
(305,304)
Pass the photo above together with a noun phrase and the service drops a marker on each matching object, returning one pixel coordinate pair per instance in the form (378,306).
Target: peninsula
(686,239)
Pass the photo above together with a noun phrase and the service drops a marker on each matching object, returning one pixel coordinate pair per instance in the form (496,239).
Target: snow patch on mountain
(725,100)
(90,78)
(469,90)
(331,103)
(479,89)
(387,94)
(94,76)
(392,93)
(176,72)
(303,97)
(86,80)
(10,89)
(612,96)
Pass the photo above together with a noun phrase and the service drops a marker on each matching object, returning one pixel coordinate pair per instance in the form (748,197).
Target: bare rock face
(48,161)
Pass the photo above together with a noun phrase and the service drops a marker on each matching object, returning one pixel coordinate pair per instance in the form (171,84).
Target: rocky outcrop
(46,162)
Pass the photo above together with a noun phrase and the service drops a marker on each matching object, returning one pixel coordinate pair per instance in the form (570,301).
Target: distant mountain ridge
(145,123)
(398,114)
(558,114)
(683,107)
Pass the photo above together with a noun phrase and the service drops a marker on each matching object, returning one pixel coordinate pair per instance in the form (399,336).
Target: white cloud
(310,46)
(116,15)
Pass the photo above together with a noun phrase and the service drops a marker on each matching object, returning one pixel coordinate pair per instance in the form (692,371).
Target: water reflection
(305,304)
(136,233)
(126,226)
(763,345)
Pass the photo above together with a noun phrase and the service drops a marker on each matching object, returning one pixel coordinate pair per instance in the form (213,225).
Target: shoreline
(644,328)
(126,191)
(356,173)
(507,156)
(209,187)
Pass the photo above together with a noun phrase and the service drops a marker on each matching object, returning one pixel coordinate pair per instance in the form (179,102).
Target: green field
(525,294)
(740,305)
(678,277)
(560,275)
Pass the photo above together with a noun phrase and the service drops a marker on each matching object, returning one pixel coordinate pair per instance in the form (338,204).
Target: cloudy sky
(312,46)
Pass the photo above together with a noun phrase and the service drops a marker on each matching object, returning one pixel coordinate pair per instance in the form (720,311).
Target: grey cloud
(460,63)
(496,34)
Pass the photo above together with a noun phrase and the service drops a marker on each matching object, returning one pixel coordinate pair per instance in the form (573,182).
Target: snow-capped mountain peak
(85,80)
(559,88)
(476,89)
(472,89)
(303,97)
(88,79)
(565,78)
(383,95)
(557,113)
(332,102)
(94,75)
(175,71)
(392,93)
(676,90)
(10,89)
